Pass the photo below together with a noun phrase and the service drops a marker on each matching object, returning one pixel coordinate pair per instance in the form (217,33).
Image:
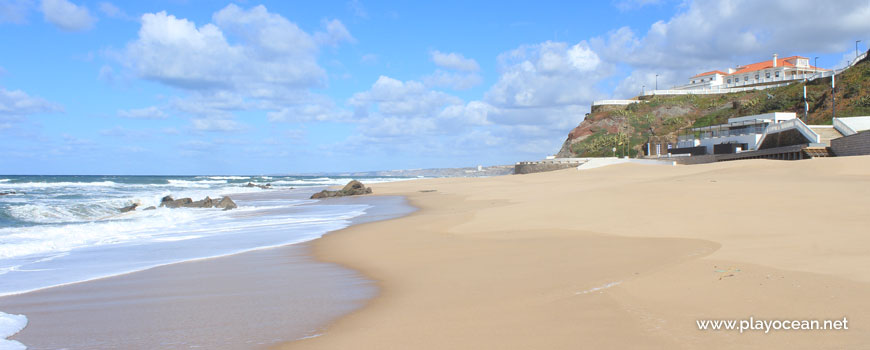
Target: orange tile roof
(710,72)
(781,62)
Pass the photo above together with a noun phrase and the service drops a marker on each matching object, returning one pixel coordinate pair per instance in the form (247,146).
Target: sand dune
(627,256)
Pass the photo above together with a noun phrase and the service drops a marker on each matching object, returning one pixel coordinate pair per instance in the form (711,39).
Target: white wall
(750,139)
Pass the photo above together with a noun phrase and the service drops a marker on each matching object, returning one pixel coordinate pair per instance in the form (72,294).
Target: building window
(767,75)
(693,81)
(776,73)
(737,79)
(745,78)
(729,81)
(756,77)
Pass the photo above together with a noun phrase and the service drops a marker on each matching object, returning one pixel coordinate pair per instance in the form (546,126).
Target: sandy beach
(626,256)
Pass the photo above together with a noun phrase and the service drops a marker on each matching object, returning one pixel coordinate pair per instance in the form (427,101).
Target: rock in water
(150,208)
(205,203)
(178,203)
(129,208)
(353,188)
(226,203)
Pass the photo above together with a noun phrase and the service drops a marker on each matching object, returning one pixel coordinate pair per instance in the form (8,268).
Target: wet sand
(242,301)
(626,256)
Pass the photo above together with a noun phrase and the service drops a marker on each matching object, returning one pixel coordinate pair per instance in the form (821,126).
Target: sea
(58,230)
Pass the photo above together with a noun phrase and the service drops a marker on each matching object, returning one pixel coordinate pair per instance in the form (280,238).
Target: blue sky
(248,87)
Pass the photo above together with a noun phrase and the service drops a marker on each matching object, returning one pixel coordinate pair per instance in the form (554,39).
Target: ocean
(58,230)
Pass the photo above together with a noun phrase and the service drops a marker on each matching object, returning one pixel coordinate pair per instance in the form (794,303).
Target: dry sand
(626,256)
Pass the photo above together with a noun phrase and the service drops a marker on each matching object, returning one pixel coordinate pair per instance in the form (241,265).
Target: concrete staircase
(826,133)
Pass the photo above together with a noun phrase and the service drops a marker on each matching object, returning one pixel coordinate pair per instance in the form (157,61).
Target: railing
(843,128)
(713,91)
(614,102)
(787,125)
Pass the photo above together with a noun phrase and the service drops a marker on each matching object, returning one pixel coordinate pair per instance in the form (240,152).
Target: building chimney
(774,60)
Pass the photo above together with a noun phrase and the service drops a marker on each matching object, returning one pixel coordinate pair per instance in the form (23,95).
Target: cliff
(661,117)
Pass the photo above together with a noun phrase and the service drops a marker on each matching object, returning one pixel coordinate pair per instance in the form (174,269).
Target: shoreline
(287,269)
(522,261)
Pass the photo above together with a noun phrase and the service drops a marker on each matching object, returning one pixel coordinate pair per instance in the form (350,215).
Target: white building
(746,132)
(773,71)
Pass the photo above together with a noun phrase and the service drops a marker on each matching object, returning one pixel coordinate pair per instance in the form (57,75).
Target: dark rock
(265,187)
(9,193)
(150,208)
(204,203)
(353,188)
(226,203)
(178,203)
(129,208)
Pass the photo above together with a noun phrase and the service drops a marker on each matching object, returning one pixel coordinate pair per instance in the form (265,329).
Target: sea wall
(852,145)
(548,165)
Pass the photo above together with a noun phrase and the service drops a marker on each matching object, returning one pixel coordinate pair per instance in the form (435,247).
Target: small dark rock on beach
(353,188)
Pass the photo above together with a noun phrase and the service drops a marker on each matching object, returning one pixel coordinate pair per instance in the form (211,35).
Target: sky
(277,87)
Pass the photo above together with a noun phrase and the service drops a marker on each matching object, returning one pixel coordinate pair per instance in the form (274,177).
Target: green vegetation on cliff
(660,118)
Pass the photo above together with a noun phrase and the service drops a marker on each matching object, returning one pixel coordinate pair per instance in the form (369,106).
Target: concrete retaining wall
(852,145)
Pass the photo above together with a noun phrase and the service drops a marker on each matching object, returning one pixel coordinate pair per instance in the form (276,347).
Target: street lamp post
(856,48)
(816,64)
(643,90)
(657,81)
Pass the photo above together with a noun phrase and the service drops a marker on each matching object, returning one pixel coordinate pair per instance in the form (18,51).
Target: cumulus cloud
(152,112)
(546,75)
(244,59)
(19,103)
(458,73)
(213,124)
(272,52)
(15,11)
(67,16)
(693,40)
(454,61)
(456,81)
(397,98)
(335,33)
(321,110)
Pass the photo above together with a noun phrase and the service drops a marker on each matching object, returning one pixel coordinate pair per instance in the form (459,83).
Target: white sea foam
(9,325)
(5,180)
(591,290)
(325,181)
(26,185)
(226,177)
(197,183)
(46,239)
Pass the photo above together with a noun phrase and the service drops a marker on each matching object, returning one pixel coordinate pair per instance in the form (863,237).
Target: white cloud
(335,34)
(324,110)
(397,98)
(110,10)
(19,103)
(547,75)
(215,124)
(271,52)
(245,59)
(708,35)
(454,61)
(456,81)
(67,16)
(15,11)
(152,112)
